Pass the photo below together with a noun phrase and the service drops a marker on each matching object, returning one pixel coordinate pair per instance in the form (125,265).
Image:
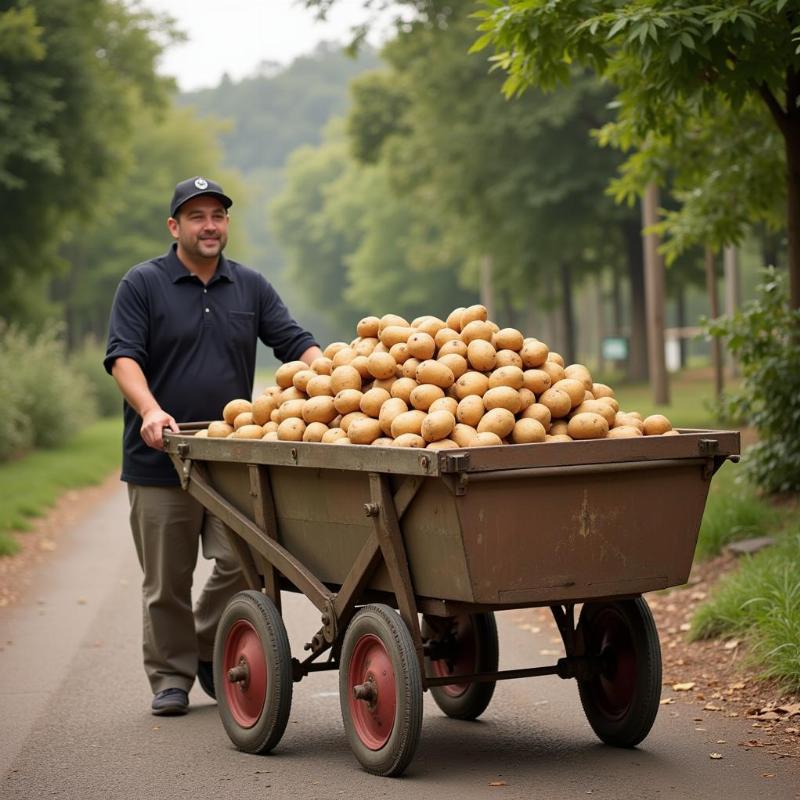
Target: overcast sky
(234,36)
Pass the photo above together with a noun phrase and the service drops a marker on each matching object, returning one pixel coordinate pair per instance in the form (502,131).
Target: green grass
(30,485)
(761,603)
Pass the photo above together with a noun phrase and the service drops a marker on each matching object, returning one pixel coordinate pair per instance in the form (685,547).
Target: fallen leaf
(715,756)
(732,644)
(767,774)
(497,783)
(686,626)
(711,707)
(683,687)
(667,701)
(738,685)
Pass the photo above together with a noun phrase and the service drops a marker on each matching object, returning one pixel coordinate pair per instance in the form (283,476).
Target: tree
(662,56)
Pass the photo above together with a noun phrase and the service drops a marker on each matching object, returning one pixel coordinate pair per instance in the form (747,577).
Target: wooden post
(654,298)
(733,296)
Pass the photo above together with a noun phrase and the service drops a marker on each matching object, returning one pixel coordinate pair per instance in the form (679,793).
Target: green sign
(615,348)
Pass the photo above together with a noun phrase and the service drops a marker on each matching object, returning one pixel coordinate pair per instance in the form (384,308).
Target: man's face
(201,227)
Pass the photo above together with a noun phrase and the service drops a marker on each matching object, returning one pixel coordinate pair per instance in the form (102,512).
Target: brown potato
(393,334)
(430,325)
(234,408)
(291,393)
(332,434)
(596,407)
(455,363)
(348,419)
(507,376)
(344,377)
(557,358)
(580,373)
(502,397)
(383,441)
(245,418)
(202,433)
(456,346)
(381,365)
(558,437)
(409,440)
(365,346)
(262,408)
(320,386)
(389,410)
(537,380)
(436,373)
(364,431)
(623,419)
(476,312)
(368,326)
(655,424)
(555,371)
(454,319)
(624,432)
(526,398)
(437,425)
(588,426)
(343,440)
(477,330)
(408,422)
(302,377)
(402,388)
(384,384)
(343,356)
(421,345)
(527,431)
(671,432)
(399,352)
(322,365)
(408,369)
(442,444)
(348,400)
(371,402)
(332,349)
(285,373)
(508,358)
(273,391)
(573,387)
(291,408)
(291,430)
(508,339)
(612,401)
(558,427)
(319,409)
(471,383)
(389,320)
(270,436)
(533,353)
(470,410)
(485,439)
(424,395)
(602,390)
(481,355)
(444,404)
(538,412)
(498,420)
(361,363)
(270,426)
(315,431)
(558,401)
(462,434)
(219,429)
(445,335)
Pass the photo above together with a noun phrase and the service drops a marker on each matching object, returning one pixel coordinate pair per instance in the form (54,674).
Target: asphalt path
(75,721)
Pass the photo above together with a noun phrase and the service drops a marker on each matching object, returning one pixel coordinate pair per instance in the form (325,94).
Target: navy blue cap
(195,187)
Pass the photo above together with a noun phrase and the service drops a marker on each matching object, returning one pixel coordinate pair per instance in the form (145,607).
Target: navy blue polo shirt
(195,343)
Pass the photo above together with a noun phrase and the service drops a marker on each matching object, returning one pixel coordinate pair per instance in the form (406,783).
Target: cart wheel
(253,665)
(466,643)
(380,691)
(621,701)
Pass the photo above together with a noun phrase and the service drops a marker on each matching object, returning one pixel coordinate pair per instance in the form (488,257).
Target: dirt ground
(711,676)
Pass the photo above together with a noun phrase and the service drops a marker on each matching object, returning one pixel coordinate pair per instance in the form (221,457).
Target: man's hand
(153,424)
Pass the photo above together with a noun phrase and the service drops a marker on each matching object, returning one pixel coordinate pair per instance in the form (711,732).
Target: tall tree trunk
(637,337)
(654,297)
(616,301)
(600,320)
(793,206)
(486,288)
(713,312)
(680,312)
(733,294)
(568,314)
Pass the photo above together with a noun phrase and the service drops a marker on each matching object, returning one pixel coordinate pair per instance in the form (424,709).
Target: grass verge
(30,485)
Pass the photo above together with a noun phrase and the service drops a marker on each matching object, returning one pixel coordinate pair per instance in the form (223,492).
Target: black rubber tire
(482,655)
(381,627)
(256,613)
(621,702)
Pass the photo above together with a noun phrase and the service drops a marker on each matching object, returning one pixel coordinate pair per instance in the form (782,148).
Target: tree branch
(780,116)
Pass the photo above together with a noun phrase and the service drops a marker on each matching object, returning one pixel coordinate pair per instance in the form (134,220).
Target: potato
(364,431)
(348,419)
(508,358)
(332,349)
(442,444)
(601,390)
(219,429)
(499,421)
(402,388)
(381,365)
(624,432)
(371,402)
(437,425)
(408,369)
(455,363)
(291,430)
(444,404)
(234,408)
(302,377)
(588,425)
(361,363)
(527,431)
(285,373)
(481,355)
(537,380)
(343,356)
(424,395)
(421,345)
(273,391)
(430,325)
(408,440)
(612,401)
(315,431)
(470,410)
(343,440)
(533,353)
(292,393)
(508,339)
(587,395)
(245,418)
(348,400)
(573,387)
(385,383)
(558,401)
(389,410)
(580,373)
(291,408)
(623,419)
(332,434)
(319,409)
(365,346)
(558,427)
(453,320)
(556,358)
(526,398)
(435,373)
(656,424)
(558,437)
(345,377)
(477,331)
(396,333)
(270,436)
(502,397)
(445,335)
(202,433)
(476,312)
(389,320)
(555,371)
(471,383)
(456,346)
(507,376)
(270,426)
(408,422)
(320,386)
(462,434)
(596,407)
(262,408)
(485,439)
(671,432)
(275,416)
(539,412)
(383,441)
(368,326)
(399,352)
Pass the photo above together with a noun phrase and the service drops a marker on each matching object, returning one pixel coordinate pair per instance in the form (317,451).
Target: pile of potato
(438,384)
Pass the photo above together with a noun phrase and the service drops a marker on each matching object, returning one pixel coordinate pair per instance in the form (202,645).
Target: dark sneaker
(170,703)
(205,677)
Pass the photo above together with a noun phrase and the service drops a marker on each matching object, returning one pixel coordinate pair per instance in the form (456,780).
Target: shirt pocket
(241,327)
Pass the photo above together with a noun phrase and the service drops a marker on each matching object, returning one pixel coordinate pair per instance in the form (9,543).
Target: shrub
(764,337)
(89,361)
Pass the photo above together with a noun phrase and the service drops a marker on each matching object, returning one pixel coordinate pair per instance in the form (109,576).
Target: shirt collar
(177,271)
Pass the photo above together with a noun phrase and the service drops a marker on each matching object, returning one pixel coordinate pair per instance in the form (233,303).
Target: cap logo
(201,183)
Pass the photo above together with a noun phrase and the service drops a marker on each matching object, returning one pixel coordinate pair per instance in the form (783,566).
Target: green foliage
(31,484)
(44,399)
(88,361)
(764,338)
(762,603)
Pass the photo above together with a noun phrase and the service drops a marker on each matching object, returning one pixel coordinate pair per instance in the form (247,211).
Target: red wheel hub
(616,684)
(463,658)
(372,692)
(244,674)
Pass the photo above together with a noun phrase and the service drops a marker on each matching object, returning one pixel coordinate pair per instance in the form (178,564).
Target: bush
(89,361)
(764,337)
(44,399)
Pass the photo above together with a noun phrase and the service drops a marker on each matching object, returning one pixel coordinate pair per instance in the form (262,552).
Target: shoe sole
(170,711)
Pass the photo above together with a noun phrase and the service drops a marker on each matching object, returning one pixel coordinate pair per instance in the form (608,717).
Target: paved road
(75,720)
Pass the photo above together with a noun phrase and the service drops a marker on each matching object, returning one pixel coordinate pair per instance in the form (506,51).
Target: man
(182,343)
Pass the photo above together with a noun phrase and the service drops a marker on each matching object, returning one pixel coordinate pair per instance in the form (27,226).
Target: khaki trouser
(166,523)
